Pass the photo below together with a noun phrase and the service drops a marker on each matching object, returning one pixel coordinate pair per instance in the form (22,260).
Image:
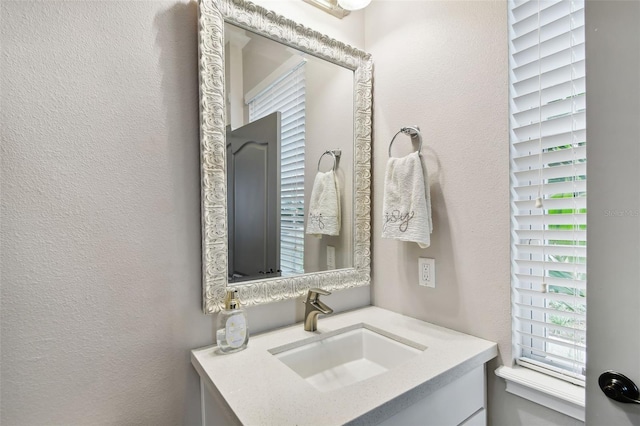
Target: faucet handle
(315,292)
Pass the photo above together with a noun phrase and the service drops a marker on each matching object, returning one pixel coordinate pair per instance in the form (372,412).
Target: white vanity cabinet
(443,384)
(461,402)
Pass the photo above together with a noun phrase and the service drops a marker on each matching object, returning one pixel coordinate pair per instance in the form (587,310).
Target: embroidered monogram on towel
(395,217)
(318,220)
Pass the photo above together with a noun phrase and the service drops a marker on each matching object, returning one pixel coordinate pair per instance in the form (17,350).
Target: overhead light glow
(353,4)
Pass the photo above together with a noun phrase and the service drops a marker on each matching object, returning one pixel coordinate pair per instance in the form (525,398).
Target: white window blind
(287,95)
(548,185)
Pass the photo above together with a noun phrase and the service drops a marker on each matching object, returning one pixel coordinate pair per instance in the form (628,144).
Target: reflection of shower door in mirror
(253,199)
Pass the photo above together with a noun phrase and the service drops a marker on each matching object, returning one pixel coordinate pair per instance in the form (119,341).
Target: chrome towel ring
(335,153)
(412,131)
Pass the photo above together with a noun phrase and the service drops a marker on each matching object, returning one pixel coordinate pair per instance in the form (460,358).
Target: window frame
(537,295)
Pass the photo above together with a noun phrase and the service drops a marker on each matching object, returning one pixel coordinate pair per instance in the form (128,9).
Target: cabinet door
(215,410)
(452,404)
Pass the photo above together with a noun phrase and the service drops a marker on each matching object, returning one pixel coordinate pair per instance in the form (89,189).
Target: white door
(613,186)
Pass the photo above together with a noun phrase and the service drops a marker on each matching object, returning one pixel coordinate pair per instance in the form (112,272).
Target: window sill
(545,390)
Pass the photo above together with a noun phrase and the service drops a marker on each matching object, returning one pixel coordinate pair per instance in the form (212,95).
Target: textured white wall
(100,224)
(100,216)
(443,66)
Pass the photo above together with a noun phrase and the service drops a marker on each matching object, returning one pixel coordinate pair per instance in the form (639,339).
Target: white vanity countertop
(261,390)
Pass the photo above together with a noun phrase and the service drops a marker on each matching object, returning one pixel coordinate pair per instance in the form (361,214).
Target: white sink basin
(346,356)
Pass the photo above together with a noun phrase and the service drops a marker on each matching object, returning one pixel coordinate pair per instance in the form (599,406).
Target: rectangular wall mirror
(280,103)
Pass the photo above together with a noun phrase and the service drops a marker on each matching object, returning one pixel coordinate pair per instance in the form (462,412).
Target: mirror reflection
(290,138)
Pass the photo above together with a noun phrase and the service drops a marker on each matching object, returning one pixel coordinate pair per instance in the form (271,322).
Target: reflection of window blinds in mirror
(548,161)
(287,95)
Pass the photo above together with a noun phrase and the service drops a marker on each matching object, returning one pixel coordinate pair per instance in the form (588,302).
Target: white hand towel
(324,206)
(407,203)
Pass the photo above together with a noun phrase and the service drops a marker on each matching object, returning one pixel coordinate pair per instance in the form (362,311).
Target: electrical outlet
(427,272)
(331,257)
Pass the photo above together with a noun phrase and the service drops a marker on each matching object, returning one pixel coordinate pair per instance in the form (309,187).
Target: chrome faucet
(315,307)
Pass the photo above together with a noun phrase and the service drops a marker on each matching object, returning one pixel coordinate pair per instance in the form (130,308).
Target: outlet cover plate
(331,257)
(427,272)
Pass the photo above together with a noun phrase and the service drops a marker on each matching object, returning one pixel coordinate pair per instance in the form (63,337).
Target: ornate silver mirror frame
(212,16)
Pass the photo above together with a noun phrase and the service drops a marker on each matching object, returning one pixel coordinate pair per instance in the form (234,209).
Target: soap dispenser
(232,331)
